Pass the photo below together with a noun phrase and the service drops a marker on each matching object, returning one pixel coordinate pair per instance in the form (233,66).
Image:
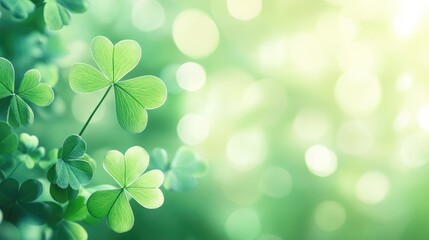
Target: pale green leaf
(7,78)
(32,90)
(149,91)
(102,52)
(19,113)
(130,113)
(126,56)
(146,189)
(68,230)
(84,78)
(55,15)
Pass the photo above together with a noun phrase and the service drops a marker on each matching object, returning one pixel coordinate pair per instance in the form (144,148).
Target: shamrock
(127,171)
(181,172)
(57,12)
(62,195)
(19,9)
(70,230)
(8,139)
(71,169)
(41,94)
(132,96)
(29,151)
(18,201)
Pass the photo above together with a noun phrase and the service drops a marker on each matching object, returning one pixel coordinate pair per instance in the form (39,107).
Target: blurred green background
(313,115)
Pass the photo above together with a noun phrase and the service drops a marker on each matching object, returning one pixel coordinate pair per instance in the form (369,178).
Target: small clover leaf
(128,173)
(71,170)
(8,139)
(18,201)
(19,9)
(132,96)
(29,151)
(70,231)
(41,94)
(181,172)
(62,195)
(57,12)
(51,159)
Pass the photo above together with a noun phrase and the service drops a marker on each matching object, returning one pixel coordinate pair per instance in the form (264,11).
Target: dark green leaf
(20,9)
(74,147)
(62,195)
(29,191)
(8,139)
(19,114)
(77,210)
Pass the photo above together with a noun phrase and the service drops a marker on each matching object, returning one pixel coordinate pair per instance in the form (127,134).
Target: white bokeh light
(191,76)
(320,160)
(148,15)
(414,150)
(244,9)
(310,124)
(423,117)
(246,150)
(193,129)
(372,187)
(243,224)
(358,92)
(195,33)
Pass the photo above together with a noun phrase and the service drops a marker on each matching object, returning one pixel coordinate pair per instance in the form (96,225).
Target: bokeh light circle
(310,124)
(195,33)
(329,216)
(193,129)
(147,15)
(191,76)
(355,137)
(243,224)
(246,150)
(414,150)
(244,9)
(358,92)
(275,182)
(320,160)
(372,187)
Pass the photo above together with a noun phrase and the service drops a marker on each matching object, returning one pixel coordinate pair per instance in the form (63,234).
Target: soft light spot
(372,187)
(414,150)
(402,120)
(354,137)
(404,82)
(84,104)
(272,54)
(358,92)
(195,33)
(408,17)
(243,224)
(423,117)
(320,160)
(168,76)
(193,129)
(310,124)
(191,76)
(148,15)
(104,11)
(244,9)
(329,216)
(308,55)
(356,56)
(246,150)
(275,182)
(336,29)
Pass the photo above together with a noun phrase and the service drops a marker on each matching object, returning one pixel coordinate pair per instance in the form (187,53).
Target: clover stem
(95,110)
(13,171)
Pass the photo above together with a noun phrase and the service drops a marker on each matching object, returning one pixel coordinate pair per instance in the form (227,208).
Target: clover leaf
(132,96)
(70,231)
(17,201)
(71,170)
(19,9)
(127,171)
(41,94)
(57,12)
(29,151)
(8,139)
(181,172)
(62,195)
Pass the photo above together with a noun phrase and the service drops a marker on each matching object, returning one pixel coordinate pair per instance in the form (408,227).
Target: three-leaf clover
(181,171)
(17,201)
(132,96)
(71,170)
(57,12)
(29,151)
(8,139)
(127,171)
(41,94)
(19,9)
